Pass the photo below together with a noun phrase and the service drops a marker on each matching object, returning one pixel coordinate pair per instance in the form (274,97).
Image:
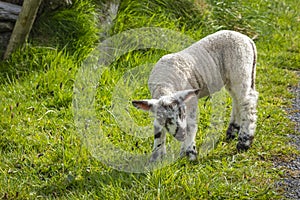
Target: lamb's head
(169,112)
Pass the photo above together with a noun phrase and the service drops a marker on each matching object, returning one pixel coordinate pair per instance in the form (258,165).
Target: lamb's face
(169,112)
(170,115)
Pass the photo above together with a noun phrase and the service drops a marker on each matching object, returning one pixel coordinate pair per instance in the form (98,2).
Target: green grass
(42,155)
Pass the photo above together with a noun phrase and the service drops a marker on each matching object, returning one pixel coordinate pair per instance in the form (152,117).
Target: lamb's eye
(169,121)
(169,107)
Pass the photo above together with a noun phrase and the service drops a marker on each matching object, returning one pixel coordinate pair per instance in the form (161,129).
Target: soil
(291,180)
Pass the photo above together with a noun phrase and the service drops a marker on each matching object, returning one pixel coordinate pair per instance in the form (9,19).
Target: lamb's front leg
(188,146)
(159,147)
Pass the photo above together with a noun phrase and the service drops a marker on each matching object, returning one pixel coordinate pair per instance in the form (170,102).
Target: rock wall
(9,11)
(8,16)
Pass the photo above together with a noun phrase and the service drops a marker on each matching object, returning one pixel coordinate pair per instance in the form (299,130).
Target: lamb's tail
(254,64)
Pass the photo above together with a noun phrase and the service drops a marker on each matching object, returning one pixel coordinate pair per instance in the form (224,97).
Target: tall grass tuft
(232,15)
(74,29)
(181,15)
(72,33)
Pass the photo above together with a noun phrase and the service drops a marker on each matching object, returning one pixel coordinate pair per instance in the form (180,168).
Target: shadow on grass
(107,183)
(100,184)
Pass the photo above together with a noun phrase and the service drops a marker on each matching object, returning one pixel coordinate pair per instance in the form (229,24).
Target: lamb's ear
(186,95)
(145,105)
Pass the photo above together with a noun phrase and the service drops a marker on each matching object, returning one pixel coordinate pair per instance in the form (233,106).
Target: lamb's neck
(162,89)
(172,73)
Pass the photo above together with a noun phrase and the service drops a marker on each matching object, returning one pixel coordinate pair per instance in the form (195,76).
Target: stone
(9,12)
(6,27)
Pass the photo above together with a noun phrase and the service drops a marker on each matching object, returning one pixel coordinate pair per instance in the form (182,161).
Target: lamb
(225,58)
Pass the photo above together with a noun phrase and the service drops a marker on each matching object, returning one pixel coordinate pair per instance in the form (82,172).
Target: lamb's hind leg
(235,124)
(248,117)
(243,115)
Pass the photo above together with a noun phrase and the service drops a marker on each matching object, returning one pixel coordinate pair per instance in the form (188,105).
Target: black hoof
(192,155)
(232,131)
(242,147)
(245,142)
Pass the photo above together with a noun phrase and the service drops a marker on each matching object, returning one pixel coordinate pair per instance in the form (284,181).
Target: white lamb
(225,58)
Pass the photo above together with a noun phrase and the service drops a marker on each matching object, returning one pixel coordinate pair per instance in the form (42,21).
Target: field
(46,151)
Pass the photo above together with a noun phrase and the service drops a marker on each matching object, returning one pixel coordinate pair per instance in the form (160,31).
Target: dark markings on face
(157,135)
(177,129)
(181,113)
(168,123)
(171,116)
(167,127)
(157,132)
(174,120)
